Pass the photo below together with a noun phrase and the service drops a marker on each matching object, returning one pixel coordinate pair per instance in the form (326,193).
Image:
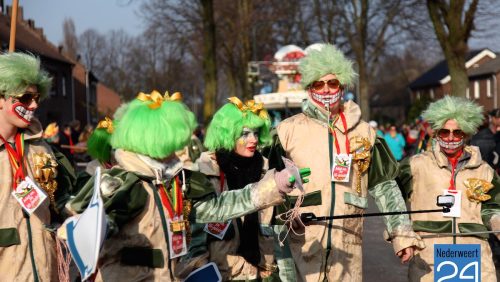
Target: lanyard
(16,158)
(454,162)
(221,181)
(332,131)
(172,201)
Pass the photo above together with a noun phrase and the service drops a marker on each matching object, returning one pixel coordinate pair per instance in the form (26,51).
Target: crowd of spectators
(409,139)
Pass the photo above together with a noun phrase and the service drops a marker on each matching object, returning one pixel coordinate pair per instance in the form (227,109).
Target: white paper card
(87,232)
(217,229)
(29,195)
(176,240)
(456,208)
(341,167)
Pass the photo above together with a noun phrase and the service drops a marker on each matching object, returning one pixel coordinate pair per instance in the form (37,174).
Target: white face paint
(453,145)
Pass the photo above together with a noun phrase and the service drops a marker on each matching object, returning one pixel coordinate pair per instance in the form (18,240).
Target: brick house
(76,93)
(483,68)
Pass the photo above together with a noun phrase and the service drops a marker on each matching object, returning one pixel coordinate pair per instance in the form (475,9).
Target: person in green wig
(452,167)
(347,163)
(242,248)
(29,170)
(151,200)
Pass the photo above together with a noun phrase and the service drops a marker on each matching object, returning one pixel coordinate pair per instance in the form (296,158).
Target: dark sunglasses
(27,98)
(444,133)
(319,84)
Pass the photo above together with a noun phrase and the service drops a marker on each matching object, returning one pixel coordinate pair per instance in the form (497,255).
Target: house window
(431,94)
(418,95)
(476,90)
(63,82)
(488,88)
(467,94)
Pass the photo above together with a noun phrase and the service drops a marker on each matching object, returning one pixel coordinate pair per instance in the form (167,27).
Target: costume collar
(351,111)
(471,156)
(144,165)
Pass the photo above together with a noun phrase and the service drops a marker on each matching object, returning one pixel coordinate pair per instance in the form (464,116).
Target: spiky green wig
(227,125)
(157,132)
(18,71)
(468,114)
(327,60)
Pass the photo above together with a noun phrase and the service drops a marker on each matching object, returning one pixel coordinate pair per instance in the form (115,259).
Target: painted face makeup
(451,138)
(326,92)
(23,111)
(453,145)
(246,144)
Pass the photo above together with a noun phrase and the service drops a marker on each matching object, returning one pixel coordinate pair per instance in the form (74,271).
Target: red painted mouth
(22,112)
(252,148)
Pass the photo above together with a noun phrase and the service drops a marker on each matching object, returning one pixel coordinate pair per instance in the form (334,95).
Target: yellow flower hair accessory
(250,105)
(158,99)
(477,189)
(106,123)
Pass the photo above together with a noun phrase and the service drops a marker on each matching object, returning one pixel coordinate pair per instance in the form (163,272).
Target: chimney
(20,16)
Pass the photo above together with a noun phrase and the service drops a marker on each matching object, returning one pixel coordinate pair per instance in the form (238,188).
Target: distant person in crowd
(66,143)
(485,139)
(51,133)
(75,130)
(425,141)
(396,142)
(374,125)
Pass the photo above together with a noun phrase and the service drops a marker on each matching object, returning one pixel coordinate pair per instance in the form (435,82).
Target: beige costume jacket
(427,175)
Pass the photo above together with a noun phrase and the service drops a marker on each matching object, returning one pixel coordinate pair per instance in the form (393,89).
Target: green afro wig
(327,60)
(18,71)
(228,123)
(468,114)
(156,132)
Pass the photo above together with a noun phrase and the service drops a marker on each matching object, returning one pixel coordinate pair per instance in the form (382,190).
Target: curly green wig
(468,114)
(327,60)
(156,132)
(228,123)
(18,71)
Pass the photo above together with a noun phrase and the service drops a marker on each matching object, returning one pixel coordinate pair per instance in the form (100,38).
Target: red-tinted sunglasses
(319,84)
(444,133)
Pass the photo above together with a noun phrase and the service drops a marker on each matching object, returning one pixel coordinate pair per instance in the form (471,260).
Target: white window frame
(488,88)
(431,93)
(418,95)
(63,82)
(477,93)
(467,93)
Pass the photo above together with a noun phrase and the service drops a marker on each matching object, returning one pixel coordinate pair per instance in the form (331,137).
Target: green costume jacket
(137,248)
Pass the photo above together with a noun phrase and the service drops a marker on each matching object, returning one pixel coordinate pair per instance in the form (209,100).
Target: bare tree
(209,59)
(90,47)
(70,41)
(453,24)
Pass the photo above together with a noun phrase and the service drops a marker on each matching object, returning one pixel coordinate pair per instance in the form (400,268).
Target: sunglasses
(319,84)
(444,133)
(27,98)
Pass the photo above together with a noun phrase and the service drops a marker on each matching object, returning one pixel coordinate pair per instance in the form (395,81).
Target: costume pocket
(9,237)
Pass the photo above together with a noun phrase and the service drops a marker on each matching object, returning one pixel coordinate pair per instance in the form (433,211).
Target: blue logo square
(460,262)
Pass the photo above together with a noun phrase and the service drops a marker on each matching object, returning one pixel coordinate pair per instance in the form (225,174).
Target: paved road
(379,261)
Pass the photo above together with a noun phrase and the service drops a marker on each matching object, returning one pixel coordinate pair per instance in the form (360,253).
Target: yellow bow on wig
(157,98)
(250,105)
(106,123)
